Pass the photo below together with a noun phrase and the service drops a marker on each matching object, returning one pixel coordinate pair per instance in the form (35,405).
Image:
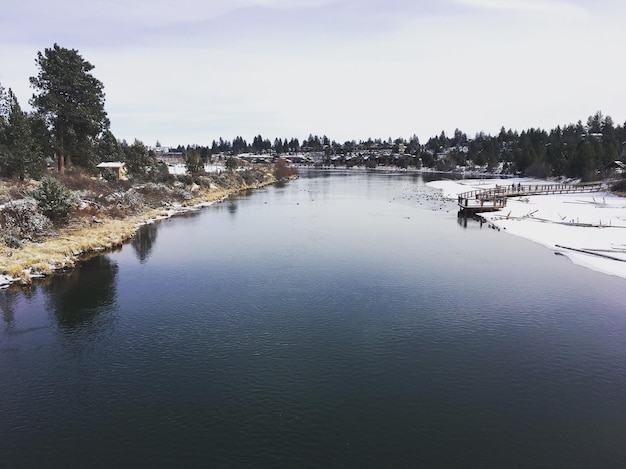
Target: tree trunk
(60,155)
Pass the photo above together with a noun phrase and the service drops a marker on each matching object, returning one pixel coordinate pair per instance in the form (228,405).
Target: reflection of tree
(144,240)
(8,299)
(232,207)
(79,297)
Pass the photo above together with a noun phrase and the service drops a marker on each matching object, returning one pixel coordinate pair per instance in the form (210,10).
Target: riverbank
(589,229)
(63,248)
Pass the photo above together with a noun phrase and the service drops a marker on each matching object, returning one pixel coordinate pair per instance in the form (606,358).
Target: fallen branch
(591,253)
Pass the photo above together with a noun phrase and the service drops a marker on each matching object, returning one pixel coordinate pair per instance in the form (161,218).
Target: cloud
(192,71)
(527,6)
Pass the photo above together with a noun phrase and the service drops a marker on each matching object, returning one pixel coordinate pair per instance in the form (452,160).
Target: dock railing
(495,198)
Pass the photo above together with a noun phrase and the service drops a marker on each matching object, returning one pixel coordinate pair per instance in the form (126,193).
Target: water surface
(346,319)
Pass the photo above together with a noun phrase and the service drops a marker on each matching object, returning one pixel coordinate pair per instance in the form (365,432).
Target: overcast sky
(190,71)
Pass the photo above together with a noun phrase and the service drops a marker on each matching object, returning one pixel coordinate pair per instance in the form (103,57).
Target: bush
(79,179)
(124,203)
(231,163)
(23,214)
(282,171)
(162,174)
(55,200)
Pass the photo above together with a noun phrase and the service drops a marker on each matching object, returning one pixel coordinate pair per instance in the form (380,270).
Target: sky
(192,71)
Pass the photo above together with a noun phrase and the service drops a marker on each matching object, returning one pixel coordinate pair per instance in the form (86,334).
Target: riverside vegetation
(49,225)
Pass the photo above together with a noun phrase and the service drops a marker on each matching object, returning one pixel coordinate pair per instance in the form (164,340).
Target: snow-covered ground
(590,229)
(180,169)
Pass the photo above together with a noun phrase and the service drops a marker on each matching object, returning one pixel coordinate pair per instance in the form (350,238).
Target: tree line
(575,150)
(69,126)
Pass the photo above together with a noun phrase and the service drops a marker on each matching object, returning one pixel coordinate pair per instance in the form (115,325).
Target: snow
(5,281)
(565,223)
(181,169)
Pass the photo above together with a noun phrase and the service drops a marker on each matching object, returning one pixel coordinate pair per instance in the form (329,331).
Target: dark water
(343,320)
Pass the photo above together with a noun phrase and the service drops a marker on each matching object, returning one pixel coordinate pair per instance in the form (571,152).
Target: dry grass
(14,189)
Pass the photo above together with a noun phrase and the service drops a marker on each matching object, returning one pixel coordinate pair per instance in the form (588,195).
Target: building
(117,168)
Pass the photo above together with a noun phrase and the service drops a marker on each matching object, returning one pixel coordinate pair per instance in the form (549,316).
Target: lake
(344,319)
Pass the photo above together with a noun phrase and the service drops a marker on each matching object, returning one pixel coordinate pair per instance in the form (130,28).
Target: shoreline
(586,231)
(589,229)
(71,244)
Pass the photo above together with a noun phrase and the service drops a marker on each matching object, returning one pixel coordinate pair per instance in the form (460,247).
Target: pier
(489,200)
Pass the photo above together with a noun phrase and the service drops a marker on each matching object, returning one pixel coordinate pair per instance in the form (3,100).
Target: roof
(111,164)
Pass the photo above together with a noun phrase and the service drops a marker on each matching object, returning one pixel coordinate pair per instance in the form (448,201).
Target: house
(117,168)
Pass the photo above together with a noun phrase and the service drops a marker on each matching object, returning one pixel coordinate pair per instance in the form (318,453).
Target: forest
(69,126)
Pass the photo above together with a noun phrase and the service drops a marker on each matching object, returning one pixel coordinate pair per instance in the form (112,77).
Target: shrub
(55,200)
(231,163)
(125,203)
(162,174)
(282,171)
(79,179)
(249,177)
(23,216)
(155,194)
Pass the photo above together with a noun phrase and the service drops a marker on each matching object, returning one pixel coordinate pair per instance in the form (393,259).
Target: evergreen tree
(294,145)
(205,154)
(239,145)
(595,123)
(19,153)
(278,146)
(55,200)
(138,160)
(109,148)
(193,162)
(231,163)
(4,105)
(257,144)
(72,101)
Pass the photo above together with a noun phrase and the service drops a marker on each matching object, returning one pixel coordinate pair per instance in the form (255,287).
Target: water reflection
(144,241)
(8,303)
(11,302)
(474,221)
(79,298)
(232,207)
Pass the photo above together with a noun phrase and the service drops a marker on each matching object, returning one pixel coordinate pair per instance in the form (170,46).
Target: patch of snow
(5,281)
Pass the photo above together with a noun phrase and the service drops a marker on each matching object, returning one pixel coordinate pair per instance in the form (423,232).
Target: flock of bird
(423,196)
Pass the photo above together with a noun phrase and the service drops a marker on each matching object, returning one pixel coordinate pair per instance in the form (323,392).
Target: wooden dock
(489,200)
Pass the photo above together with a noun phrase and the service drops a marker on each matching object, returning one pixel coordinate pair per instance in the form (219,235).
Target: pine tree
(19,153)
(108,148)
(72,100)
(138,160)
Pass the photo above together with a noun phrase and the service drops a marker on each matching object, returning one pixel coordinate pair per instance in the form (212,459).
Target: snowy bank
(590,228)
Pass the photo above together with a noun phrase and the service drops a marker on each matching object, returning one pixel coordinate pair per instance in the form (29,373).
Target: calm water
(343,320)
